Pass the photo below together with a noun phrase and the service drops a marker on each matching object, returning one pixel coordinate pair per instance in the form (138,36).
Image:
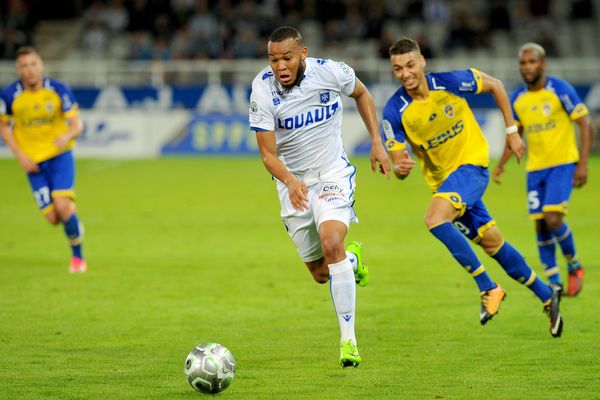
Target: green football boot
(362,271)
(349,356)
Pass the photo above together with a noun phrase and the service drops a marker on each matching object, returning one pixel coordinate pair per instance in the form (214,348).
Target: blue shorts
(549,190)
(55,179)
(464,189)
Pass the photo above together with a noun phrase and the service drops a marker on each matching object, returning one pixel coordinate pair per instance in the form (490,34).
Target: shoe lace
(548,308)
(349,347)
(485,298)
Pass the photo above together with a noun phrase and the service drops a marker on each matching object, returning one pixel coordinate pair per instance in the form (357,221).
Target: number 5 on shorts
(534,201)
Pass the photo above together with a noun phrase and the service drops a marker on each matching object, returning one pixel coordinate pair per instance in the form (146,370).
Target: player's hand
(298,193)
(62,141)
(516,145)
(498,171)
(580,177)
(28,165)
(379,156)
(404,165)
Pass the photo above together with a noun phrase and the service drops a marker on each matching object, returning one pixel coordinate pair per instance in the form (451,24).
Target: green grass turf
(183,251)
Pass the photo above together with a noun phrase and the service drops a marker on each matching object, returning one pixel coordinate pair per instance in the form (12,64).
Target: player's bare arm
(366,108)
(297,190)
(403,163)
(26,163)
(506,155)
(586,136)
(496,88)
(75,130)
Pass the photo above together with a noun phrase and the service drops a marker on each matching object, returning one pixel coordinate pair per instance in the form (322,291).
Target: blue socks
(507,256)
(547,252)
(463,253)
(74,231)
(564,237)
(516,267)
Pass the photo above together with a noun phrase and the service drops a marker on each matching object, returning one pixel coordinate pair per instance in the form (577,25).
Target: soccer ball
(210,368)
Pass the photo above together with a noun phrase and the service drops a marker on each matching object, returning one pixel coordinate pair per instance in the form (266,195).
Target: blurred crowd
(237,29)
(17,23)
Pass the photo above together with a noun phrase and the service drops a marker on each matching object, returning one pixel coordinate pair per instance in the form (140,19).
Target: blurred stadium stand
(90,40)
(176,54)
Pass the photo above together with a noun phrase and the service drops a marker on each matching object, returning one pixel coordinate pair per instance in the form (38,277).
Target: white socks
(343,294)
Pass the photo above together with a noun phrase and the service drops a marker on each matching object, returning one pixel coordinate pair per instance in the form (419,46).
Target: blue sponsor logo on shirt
(443,137)
(310,117)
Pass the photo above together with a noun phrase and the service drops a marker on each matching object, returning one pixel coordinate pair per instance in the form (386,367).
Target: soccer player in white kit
(296,111)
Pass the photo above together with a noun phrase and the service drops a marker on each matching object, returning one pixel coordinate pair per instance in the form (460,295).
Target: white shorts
(329,199)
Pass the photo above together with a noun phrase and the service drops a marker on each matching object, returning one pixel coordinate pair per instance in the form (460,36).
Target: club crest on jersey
(276,101)
(49,107)
(449,111)
(546,109)
(324,97)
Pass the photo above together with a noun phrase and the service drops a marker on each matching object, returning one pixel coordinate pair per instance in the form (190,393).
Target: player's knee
(490,248)
(63,209)
(52,218)
(491,241)
(433,220)
(553,220)
(333,248)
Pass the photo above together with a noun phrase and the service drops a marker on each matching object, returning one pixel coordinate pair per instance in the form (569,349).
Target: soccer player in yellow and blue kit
(39,121)
(430,112)
(545,109)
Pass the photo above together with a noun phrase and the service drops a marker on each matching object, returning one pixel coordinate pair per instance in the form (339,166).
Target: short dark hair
(286,32)
(403,46)
(22,51)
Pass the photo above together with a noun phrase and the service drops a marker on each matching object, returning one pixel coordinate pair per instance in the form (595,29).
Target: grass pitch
(183,251)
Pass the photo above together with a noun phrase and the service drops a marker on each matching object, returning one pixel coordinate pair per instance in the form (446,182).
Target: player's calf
(319,270)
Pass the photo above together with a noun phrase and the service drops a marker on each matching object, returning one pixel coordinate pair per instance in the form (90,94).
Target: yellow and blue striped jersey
(547,116)
(39,117)
(442,130)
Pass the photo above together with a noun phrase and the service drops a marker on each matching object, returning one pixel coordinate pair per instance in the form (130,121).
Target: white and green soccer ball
(210,368)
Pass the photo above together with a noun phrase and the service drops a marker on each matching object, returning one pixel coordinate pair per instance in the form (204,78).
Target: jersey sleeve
(571,102)
(392,130)
(459,82)
(261,112)
(344,76)
(513,99)
(5,107)
(68,103)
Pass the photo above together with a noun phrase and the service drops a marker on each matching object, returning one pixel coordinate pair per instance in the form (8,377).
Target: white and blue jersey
(306,119)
